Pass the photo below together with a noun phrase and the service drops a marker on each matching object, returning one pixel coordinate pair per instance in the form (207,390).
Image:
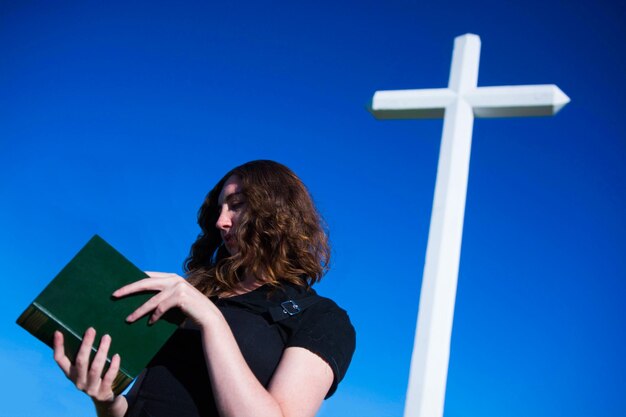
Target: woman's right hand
(88,376)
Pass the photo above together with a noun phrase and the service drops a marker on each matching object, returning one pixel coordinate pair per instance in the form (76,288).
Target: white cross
(458,105)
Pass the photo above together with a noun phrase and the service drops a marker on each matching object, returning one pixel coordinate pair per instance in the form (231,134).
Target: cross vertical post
(458,105)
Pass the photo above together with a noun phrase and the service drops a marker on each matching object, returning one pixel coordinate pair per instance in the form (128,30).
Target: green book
(79,297)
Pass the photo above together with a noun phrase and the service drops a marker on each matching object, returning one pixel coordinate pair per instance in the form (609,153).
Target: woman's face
(232,203)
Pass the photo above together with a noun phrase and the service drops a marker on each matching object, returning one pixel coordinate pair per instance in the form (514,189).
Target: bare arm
(298,386)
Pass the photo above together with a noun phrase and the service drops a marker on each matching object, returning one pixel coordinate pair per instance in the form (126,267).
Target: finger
(161,309)
(147,307)
(111,373)
(156,274)
(59,353)
(181,295)
(157,282)
(97,365)
(81,364)
(146,284)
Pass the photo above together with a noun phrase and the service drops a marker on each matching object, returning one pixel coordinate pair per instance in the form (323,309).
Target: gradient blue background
(117,117)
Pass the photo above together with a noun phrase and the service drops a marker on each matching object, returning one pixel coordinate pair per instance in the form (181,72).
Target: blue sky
(116,118)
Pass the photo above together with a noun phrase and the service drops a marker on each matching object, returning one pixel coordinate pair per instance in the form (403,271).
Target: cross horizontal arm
(516,101)
(428,103)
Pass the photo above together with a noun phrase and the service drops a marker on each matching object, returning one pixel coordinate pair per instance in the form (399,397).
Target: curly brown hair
(281,236)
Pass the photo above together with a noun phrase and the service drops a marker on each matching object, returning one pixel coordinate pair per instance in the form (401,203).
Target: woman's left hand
(173,291)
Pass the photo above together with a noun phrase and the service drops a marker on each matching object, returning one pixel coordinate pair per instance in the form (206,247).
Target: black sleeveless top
(176,381)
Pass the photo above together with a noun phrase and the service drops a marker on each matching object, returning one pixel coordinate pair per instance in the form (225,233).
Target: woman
(257,341)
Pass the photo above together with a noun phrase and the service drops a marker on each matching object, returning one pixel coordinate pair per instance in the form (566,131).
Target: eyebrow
(234,195)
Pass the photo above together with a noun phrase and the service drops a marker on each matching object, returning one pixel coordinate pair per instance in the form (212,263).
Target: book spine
(38,322)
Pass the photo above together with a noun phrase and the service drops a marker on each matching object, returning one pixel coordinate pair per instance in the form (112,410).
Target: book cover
(79,297)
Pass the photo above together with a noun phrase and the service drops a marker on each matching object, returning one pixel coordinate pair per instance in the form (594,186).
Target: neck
(247,284)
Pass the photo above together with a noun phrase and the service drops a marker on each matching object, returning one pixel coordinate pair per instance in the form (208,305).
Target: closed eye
(235,206)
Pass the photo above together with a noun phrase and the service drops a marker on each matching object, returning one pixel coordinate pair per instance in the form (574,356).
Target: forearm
(236,389)
(116,408)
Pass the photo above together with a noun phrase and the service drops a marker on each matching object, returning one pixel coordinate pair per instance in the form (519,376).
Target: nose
(223,222)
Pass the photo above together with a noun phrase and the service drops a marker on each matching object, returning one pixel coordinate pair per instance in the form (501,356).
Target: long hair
(280,235)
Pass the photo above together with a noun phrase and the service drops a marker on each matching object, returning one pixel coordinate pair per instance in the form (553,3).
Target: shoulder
(325,329)
(321,314)
(326,315)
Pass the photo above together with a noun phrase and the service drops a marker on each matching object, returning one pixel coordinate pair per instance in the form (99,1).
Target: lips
(230,242)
